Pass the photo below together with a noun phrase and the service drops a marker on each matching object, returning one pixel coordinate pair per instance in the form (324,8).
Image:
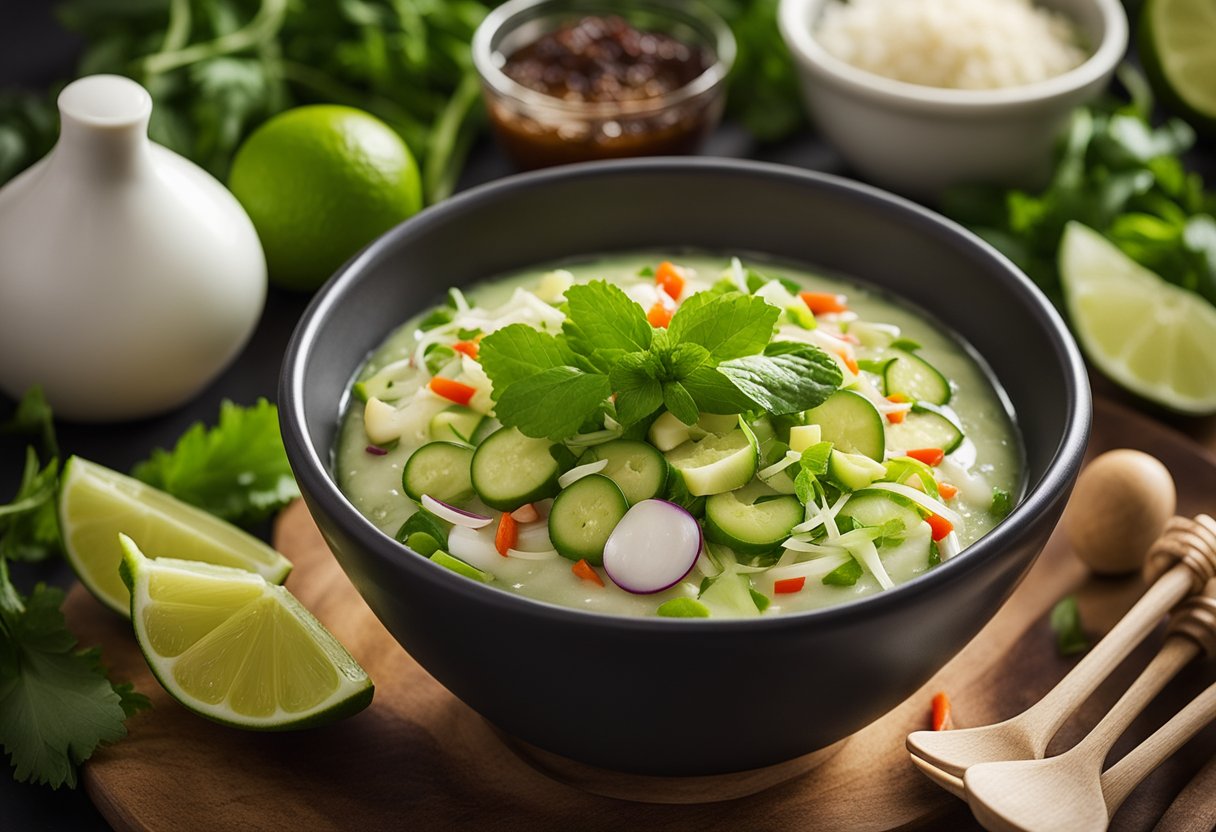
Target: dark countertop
(33,52)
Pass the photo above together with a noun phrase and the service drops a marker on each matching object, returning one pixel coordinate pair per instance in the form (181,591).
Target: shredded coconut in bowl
(959,44)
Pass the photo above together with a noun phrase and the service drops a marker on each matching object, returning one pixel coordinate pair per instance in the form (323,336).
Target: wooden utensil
(1182,560)
(1069,791)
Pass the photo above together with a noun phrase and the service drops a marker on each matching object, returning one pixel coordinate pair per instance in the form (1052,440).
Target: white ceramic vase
(129,276)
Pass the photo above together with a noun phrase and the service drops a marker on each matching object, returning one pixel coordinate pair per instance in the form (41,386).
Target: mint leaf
(728,326)
(757,280)
(237,470)
(56,705)
(715,393)
(638,389)
(553,403)
(29,525)
(846,574)
(812,466)
(681,360)
(517,352)
(1002,503)
(603,323)
(678,400)
(423,522)
(788,378)
(1066,624)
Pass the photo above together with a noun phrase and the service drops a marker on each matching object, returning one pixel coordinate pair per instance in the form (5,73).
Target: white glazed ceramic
(129,277)
(919,140)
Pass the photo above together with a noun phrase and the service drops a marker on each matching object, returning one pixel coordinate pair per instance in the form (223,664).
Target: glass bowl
(539,130)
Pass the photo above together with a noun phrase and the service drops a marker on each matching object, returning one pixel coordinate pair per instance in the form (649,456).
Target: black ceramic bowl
(686,697)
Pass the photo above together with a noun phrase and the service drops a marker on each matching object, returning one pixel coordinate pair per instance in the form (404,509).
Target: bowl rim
(796,18)
(319,484)
(711,78)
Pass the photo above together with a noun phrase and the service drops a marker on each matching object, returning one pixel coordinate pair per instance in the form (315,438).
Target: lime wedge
(1150,336)
(1178,48)
(96,504)
(237,649)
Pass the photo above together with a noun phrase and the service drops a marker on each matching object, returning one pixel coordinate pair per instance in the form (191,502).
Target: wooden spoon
(1184,558)
(1069,791)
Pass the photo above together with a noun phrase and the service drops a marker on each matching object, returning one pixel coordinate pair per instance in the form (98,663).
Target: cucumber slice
(735,519)
(388,384)
(440,469)
(877,508)
(456,423)
(852,423)
(730,596)
(637,468)
(717,463)
(510,469)
(914,377)
(584,515)
(853,472)
(925,427)
(667,432)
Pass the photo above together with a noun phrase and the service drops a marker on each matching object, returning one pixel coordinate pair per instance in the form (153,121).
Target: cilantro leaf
(789,377)
(728,326)
(237,470)
(517,352)
(603,323)
(56,705)
(33,417)
(635,378)
(29,525)
(553,403)
(1066,624)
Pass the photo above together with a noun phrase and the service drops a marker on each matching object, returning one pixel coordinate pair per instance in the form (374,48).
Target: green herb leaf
(56,705)
(679,401)
(423,522)
(757,280)
(29,525)
(436,356)
(638,389)
(715,393)
(1066,624)
(683,608)
(1002,503)
(237,470)
(518,352)
(728,326)
(603,323)
(789,377)
(553,403)
(847,574)
(33,418)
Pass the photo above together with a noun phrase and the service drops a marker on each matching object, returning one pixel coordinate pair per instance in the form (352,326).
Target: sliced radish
(455,516)
(579,471)
(652,548)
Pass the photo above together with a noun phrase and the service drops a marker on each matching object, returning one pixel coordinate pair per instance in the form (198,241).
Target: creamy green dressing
(989,457)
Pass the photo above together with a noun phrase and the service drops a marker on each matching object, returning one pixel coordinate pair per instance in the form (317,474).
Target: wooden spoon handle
(1177,651)
(1053,710)
(1120,779)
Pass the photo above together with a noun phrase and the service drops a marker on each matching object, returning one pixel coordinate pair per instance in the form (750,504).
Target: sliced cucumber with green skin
(637,468)
(584,515)
(853,472)
(735,519)
(440,469)
(718,462)
(877,508)
(510,469)
(914,377)
(456,423)
(852,423)
(925,427)
(386,383)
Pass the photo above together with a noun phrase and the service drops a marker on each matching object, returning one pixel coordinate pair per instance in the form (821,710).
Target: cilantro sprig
(714,357)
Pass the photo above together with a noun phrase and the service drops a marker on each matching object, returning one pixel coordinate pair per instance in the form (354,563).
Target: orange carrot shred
(469,348)
(669,278)
(507,535)
(948,491)
(940,526)
(454,391)
(929,456)
(896,417)
(942,720)
(822,303)
(659,315)
(788,585)
(583,570)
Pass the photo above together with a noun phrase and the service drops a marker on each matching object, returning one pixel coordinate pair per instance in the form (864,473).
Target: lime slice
(96,504)
(1150,336)
(1178,47)
(237,649)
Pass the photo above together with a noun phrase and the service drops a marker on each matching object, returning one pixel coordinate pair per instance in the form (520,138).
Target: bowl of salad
(683,467)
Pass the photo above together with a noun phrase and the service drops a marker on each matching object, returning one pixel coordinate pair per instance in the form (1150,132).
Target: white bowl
(919,140)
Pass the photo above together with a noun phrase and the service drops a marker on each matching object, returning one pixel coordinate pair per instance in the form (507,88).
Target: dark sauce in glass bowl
(599,86)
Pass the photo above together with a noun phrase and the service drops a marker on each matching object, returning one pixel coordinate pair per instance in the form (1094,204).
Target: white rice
(960,44)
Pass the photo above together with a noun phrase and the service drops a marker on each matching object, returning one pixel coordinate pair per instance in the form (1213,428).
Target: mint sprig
(714,357)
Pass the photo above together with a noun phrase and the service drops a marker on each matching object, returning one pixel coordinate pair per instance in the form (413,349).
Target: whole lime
(319,183)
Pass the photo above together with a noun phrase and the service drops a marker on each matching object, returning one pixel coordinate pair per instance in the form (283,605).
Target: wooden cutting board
(419,759)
